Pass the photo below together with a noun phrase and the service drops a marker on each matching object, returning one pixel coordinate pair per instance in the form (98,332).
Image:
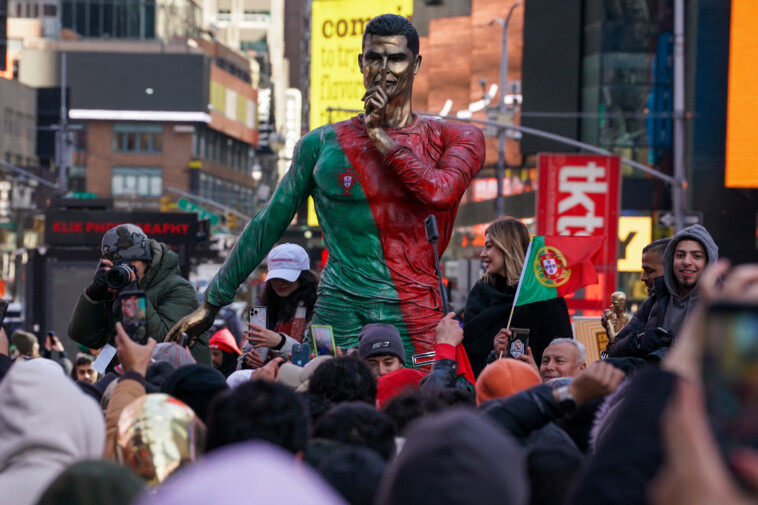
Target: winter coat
(46,424)
(630,452)
(130,387)
(169,297)
(487,310)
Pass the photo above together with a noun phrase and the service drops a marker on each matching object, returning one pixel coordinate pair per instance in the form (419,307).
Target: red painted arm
(443,185)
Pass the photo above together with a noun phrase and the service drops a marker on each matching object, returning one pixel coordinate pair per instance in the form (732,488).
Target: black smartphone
(3,310)
(134,315)
(519,342)
(432,234)
(323,340)
(730,373)
(301,354)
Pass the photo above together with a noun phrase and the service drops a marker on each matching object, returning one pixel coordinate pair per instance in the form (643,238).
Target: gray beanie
(377,339)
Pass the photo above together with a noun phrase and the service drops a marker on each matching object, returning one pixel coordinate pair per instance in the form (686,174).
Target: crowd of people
(366,426)
(210,411)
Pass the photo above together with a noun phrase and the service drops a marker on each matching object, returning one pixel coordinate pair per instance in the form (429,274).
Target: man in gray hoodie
(684,260)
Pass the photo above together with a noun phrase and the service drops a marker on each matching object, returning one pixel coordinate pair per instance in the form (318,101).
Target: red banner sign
(86,228)
(578,195)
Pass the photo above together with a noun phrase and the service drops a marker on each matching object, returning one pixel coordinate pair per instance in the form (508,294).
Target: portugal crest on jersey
(347,179)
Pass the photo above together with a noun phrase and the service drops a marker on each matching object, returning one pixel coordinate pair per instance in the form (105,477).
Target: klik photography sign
(578,195)
(86,228)
(336,35)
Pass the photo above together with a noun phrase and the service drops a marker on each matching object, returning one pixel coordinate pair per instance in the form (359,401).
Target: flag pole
(520,282)
(518,288)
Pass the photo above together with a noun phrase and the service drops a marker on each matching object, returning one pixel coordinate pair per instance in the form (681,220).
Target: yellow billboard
(742,106)
(336,35)
(635,233)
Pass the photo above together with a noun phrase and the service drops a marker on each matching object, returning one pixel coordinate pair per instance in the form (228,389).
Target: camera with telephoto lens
(119,276)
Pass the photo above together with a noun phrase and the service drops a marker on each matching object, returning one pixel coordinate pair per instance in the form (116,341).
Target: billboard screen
(336,35)
(578,195)
(742,105)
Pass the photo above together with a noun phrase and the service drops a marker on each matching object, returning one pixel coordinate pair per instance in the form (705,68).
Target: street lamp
(501,108)
(257,171)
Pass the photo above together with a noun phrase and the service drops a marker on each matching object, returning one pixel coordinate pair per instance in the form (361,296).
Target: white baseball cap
(286,261)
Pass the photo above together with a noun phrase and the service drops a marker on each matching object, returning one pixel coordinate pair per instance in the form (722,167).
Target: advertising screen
(336,34)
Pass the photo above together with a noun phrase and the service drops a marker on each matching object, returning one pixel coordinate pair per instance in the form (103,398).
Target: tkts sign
(578,195)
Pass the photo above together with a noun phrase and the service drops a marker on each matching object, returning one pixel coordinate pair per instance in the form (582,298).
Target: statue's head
(389,55)
(618,300)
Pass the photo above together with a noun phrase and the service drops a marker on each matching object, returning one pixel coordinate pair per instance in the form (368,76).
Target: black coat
(487,311)
(630,453)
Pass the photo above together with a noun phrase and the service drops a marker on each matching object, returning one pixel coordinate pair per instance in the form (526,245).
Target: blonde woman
(490,301)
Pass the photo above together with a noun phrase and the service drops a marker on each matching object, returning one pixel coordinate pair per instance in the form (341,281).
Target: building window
(135,181)
(50,10)
(137,138)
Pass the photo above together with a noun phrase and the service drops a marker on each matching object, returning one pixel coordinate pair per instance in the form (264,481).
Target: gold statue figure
(615,317)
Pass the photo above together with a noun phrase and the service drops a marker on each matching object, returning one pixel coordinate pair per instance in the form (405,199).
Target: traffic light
(231,220)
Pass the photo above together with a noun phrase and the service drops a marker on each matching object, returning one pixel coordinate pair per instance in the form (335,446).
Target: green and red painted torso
(372,210)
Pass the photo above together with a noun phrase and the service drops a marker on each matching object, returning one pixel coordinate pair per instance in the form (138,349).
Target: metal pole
(545,135)
(63,131)
(502,109)
(679,117)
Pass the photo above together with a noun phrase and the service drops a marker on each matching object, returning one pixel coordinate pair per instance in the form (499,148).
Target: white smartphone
(257,316)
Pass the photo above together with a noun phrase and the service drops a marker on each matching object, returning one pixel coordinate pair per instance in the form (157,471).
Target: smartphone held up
(323,340)
(518,343)
(134,315)
(730,373)
(258,316)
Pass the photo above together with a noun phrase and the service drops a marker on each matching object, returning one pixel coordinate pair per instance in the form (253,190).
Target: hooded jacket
(169,297)
(665,308)
(678,306)
(46,424)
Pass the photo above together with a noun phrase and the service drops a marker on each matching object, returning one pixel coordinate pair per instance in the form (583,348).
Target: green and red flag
(557,266)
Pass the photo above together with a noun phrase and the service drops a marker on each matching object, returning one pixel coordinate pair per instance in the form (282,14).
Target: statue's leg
(347,315)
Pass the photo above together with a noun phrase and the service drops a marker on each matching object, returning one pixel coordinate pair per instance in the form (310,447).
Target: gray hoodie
(679,306)
(46,424)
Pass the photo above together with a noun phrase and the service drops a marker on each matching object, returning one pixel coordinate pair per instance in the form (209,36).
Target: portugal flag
(557,266)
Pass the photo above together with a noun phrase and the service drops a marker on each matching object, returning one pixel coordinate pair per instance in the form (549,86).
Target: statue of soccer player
(374,178)
(616,316)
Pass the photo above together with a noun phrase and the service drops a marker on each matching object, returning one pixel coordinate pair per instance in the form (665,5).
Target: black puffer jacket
(487,310)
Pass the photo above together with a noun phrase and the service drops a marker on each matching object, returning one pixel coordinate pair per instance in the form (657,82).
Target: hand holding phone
(730,373)
(258,316)
(323,340)
(518,342)
(132,355)
(301,354)
(134,315)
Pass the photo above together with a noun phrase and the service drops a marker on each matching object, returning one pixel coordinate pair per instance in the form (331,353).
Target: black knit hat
(377,339)
(195,385)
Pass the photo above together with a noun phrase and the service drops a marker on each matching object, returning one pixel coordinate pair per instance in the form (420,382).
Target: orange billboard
(742,105)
